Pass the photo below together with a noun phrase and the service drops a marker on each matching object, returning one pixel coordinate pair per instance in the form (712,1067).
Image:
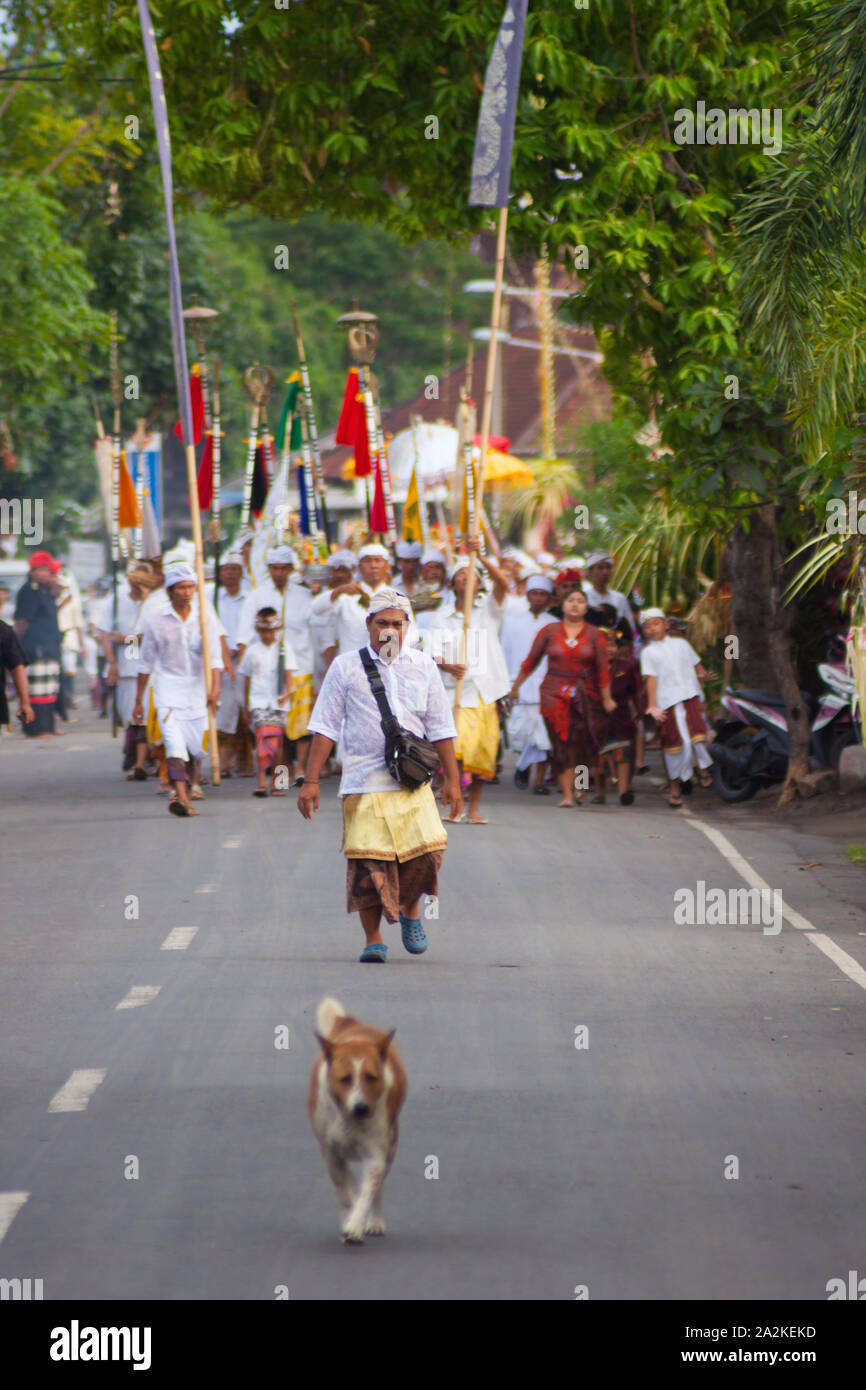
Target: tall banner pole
(115,502)
(178,343)
(491,178)
(320,485)
(217,483)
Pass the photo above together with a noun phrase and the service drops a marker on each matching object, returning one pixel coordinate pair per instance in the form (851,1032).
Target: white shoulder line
(852,969)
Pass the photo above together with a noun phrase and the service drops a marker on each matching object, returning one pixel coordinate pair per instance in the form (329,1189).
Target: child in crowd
(622,728)
(672,668)
(267,666)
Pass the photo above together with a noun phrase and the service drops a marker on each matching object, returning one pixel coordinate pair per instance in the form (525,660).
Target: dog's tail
(326,1016)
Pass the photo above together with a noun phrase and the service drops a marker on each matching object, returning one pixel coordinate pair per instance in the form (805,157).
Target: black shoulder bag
(411,761)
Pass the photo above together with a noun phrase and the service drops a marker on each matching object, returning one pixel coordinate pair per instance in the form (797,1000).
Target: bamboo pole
(115,501)
(319,485)
(486,411)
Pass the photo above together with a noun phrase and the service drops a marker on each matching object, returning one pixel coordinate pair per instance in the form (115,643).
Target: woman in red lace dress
(575,693)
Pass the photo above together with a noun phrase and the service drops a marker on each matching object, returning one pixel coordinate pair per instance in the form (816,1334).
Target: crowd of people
(557,665)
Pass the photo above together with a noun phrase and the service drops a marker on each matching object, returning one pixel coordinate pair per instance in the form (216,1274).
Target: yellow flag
(412,529)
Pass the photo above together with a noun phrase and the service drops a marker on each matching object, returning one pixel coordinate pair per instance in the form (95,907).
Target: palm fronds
(661,549)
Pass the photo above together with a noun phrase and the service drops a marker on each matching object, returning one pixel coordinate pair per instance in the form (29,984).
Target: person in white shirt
(293,603)
(527,732)
(431,592)
(408,566)
(671,668)
(120,643)
(481,666)
(350,601)
(171,649)
(393,838)
(266,669)
(231,601)
(599,569)
(323,613)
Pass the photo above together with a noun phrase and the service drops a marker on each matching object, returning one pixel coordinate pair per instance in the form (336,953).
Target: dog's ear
(326,1045)
(386,1043)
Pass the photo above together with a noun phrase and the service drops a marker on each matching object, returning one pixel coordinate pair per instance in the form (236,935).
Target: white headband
(179,573)
(389,598)
(368,551)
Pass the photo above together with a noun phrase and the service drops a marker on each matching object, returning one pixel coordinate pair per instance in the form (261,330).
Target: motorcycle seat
(772,698)
(760,697)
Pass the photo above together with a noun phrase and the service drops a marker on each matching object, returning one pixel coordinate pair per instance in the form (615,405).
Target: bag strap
(378,688)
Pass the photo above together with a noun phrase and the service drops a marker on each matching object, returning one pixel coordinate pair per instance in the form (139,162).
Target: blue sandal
(413,934)
(376,951)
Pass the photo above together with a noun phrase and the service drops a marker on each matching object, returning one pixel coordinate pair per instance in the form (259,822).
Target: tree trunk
(787,683)
(752,556)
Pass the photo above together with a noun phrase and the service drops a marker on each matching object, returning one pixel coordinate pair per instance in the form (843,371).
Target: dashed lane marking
(10,1205)
(76,1093)
(178,939)
(138,995)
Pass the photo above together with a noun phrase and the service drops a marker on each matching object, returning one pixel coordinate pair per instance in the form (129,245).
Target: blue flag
(160,119)
(491,162)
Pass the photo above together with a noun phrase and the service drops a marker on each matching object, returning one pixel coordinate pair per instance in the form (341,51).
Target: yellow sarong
(392,825)
(478,739)
(300,707)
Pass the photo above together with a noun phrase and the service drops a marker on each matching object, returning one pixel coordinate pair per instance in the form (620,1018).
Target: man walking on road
(393,839)
(171,649)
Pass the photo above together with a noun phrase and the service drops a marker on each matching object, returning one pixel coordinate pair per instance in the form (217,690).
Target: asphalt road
(711,1049)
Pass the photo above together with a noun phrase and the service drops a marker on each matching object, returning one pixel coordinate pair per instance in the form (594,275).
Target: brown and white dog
(357,1087)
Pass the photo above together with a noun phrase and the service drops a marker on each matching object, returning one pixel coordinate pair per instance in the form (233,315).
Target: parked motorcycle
(751,745)
(835,726)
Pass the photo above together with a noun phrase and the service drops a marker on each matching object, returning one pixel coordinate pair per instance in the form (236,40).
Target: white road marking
(233,843)
(847,963)
(207,888)
(178,939)
(76,748)
(77,1091)
(10,1205)
(139,994)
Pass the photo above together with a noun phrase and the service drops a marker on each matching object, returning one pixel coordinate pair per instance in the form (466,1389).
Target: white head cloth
(367,551)
(232,557)
(179,573)
(434,557)
(409,550)
(389,598)
(280,555)
(651,613)
(539,581)
(599,557)
(341,559)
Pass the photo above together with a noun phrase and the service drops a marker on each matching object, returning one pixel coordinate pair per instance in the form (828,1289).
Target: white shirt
(231,608)
(519,628)
(171,650)
(129,611)
(612,597)
(486,678)
(672,661)
(261,663)
(293,605)
(346,711)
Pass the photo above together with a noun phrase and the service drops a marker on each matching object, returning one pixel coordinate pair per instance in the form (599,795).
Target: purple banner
(491,162)
(160,119)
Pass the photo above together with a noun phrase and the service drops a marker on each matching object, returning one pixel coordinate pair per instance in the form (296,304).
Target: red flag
(197,399)
(205,474)
(347,423)
(378,514)
(363,465)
